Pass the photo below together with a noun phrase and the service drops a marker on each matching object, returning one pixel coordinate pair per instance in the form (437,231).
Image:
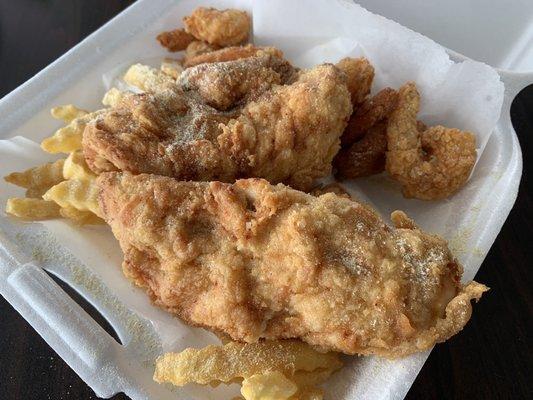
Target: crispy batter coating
(198,47)
(230,54)
(220,27)
(360,74)
(255,261)
(432,164)
(175,40)
(171,67)
(290,133)
(222,87)
(334,187)
(369,113)
(364,140)
(366,156)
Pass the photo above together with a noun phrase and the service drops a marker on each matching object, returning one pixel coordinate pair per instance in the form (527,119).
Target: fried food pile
(287,279)
(383,134)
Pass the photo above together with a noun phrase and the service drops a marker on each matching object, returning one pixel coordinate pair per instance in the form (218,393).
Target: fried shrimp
(366,156)
(370,112)
(430,163)
(364,140)
(360,74)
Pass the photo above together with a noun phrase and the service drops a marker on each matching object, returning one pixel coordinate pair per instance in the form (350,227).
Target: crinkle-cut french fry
(271,385)
(308,393)
(274,385)
(42,176)
(223,363)
(82,195)
(146,78)
(67,112)
(80,217)
(305,379)
(75,167)
(171,67)
(36,193)
(112,97)
(32,209)
(68,138)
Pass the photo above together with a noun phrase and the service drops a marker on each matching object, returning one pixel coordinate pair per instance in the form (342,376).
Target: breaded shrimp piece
(256,261)
(365,157)
(219,27)
(432,164)
(360,74)
(369,113)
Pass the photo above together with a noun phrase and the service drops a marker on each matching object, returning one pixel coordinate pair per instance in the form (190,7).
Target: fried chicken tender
(175,40)
(230,54)
(220,27)
(360,74)
(432,164)
(222,87)
(256,261)
(289,133)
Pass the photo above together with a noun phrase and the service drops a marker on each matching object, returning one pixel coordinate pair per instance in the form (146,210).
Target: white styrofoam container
(105,365)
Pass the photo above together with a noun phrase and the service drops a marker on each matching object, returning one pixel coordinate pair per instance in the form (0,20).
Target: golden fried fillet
(175,40)
(256,261)
(431,163)
(289,133)
(199,56)
(220,27)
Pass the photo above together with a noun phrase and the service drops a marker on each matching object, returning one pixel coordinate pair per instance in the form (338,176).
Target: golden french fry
(75,167)
(68,138)
(224,363)
(79,194)
(36,193)
(112,97)
(271,385)
(308,393)
(32,209)
(42,176)
(67,112)
(171,67)
(80,217)
(146,78)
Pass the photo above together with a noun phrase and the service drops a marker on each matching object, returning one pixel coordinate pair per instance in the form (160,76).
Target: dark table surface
(490,359)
